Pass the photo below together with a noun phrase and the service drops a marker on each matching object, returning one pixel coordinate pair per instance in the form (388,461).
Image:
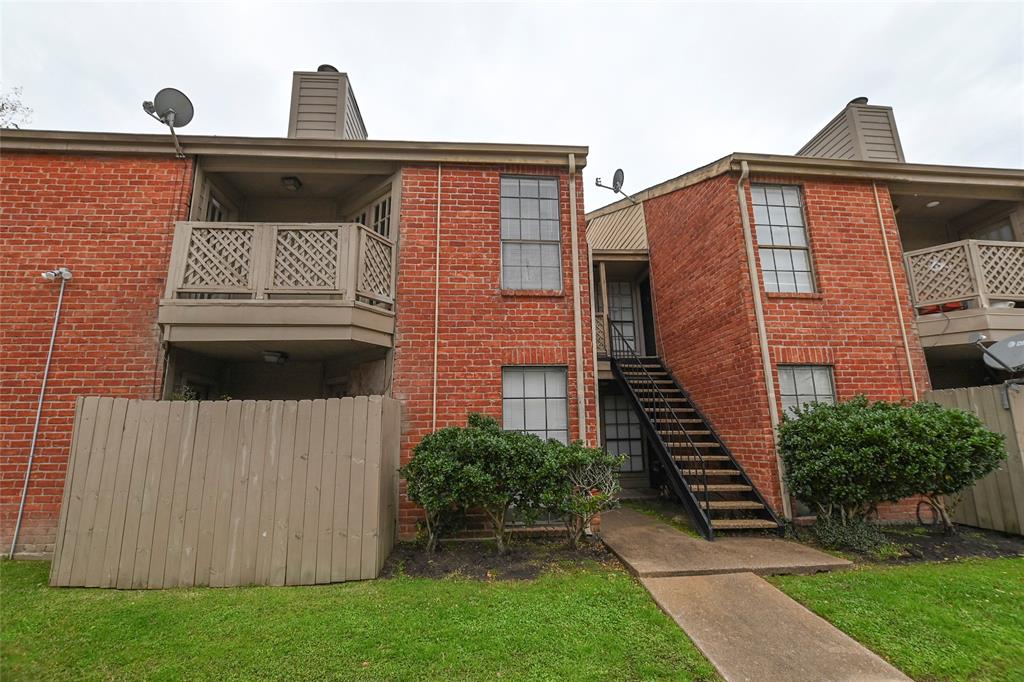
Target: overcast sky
(656,89)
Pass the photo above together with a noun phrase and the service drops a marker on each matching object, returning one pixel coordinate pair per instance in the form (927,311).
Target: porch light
(932,204)
(275,357)
(291,183)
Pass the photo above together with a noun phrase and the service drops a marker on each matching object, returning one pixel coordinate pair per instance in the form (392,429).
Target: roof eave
(376,150)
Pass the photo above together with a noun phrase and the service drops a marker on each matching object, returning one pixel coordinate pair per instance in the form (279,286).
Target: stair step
(720,487)
(734,504)
(647,380)
(692,432)
(686,443)
(668,390)
(653,373)
(709,472)
(739,524)
(705,458)
(681,421)
(666,399)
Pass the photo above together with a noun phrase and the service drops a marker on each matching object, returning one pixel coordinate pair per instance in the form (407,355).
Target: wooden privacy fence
(996,501)
(219,493)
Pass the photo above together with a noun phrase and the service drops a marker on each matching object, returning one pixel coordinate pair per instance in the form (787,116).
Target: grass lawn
(936,621)
(589,623)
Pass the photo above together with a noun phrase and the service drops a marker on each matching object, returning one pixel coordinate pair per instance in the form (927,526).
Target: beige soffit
(1001,183)
(283,147)
(622,230)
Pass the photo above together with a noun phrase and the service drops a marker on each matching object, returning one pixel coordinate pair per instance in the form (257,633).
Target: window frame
(607,407)
(830,369)
(807,248)
(525,369)
(502,241)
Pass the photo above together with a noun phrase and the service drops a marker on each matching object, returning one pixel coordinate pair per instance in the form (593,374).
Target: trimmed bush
(845,459)
(587,484)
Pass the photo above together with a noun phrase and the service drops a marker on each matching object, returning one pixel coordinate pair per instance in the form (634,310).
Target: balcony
(309,283)
(967,286)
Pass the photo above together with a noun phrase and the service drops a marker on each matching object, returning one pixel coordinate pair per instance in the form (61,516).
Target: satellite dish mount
(172,108)
(616,185)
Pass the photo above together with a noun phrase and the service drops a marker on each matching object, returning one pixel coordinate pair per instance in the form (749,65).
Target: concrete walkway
(748,629)
(650,548)
(751,631)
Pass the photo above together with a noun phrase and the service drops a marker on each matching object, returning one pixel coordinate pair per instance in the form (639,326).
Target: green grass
(941,621)
(580,624)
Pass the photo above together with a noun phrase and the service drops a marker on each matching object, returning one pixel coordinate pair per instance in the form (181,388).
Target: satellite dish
(618,179)
(172,107)
(326,68)
(1007,355)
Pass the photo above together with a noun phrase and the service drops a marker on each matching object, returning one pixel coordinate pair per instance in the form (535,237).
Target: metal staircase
(704,475)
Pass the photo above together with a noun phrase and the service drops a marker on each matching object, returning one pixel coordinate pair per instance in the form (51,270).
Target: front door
(622,317)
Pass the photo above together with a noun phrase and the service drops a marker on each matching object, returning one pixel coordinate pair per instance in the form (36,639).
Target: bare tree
(13,112)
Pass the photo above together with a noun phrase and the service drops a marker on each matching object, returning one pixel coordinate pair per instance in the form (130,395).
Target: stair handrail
(634,356)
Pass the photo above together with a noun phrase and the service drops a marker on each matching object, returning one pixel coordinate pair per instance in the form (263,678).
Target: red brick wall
(481,328)
(110,220)
(707,331)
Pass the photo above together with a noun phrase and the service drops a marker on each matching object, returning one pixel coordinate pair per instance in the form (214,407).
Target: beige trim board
(954,328)
(283,147)
(995,183)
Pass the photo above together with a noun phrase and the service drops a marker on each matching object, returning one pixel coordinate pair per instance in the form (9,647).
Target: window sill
(812,295)
(533,293)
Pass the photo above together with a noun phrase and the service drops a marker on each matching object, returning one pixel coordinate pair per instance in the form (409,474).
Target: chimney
(324,106)
(861,131)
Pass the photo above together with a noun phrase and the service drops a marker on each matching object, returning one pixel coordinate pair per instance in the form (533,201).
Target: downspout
(577,305)
(437,300)
(64,274)
(895,292)
(762,335)
(593,343)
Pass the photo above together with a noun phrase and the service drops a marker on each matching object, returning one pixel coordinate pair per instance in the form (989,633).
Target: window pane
(530,229)
(510,187)
(804,381)
(757,194)
(777,215)
(532,278)
(773,196)
(767,259)
(549,230)
(783,259)
(780,236)
(803,282)
(511,278)
(554,383)
(549,209)
(548,188)
(822,381)
(787,385)
(787,281)
(536,418)
(530,208)
(771,280)
(791,196)
(512,254)
(761,215)
(531,254)
(549,255)
(509,228)
(509,208)
(512,384)
(557,417)
(794,216)
(551,279)
(528,188)
(764,235)
(512,415)
(797,236)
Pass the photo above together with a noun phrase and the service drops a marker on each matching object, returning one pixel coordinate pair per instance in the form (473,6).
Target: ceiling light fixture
(275,357)
(932,204)
(291,183)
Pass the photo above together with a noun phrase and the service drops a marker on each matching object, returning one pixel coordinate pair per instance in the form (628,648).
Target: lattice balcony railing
(601,333)
(343,261)
(970,273)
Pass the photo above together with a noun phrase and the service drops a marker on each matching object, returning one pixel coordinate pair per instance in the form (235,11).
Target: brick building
(761,282)
(319,265)
(457,278)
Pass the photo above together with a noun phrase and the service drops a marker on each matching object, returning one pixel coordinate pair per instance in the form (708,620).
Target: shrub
(845,459)
(480,465)
(856,534)
(586,484)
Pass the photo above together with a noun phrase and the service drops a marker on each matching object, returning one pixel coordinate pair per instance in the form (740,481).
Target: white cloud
(657,89)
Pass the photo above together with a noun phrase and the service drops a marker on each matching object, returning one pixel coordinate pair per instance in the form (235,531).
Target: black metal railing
(622,348)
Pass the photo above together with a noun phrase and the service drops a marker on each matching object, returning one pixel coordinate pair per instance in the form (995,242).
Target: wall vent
(324,107)
(861,131)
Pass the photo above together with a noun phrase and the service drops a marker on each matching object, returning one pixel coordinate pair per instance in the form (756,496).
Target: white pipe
(762,335)
(577,305)
(64,274)
(895,292)
(437,299)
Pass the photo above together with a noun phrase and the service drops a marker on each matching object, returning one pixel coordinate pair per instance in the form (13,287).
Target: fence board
(997,500)
(166,493)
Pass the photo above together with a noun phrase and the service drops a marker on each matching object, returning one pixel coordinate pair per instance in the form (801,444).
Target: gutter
(762,335)
(577,305)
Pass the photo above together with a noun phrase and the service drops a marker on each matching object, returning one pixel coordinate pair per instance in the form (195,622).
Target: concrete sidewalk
(751,631)
(650,548)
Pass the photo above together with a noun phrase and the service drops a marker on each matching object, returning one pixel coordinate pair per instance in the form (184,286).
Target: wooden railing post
(980,279)
(264,237)
(355,255)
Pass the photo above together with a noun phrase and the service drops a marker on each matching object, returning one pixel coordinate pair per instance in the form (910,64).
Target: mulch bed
(525,559)
(918,543)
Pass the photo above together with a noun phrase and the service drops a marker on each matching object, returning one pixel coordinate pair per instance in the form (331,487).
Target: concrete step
(742,524)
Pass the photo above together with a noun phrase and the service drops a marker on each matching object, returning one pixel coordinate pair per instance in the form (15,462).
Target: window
(531,254)
(802,385)
(215,211)
(782,238)
(382,217)
(534,400)
(622,432)
(999,232)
